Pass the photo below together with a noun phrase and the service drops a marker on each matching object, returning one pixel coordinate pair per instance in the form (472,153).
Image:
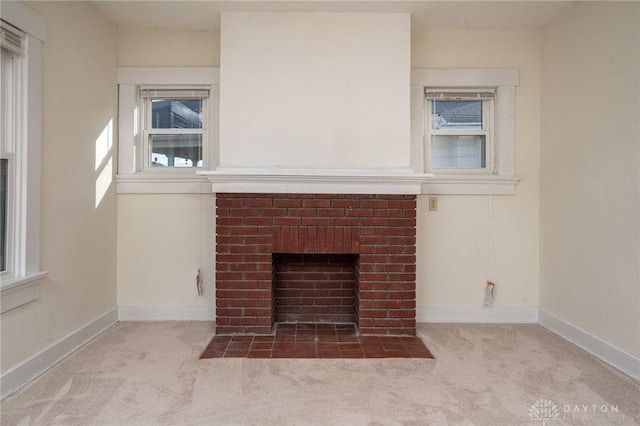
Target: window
(168,129)
(22,33)
(11,61)
(459,130)
(463,130)
(175,127)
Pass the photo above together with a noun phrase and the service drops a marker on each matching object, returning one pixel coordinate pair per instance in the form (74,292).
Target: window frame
(148,130)
(20,283)
(500,178)
(10,150)
(134,172)
(487,130)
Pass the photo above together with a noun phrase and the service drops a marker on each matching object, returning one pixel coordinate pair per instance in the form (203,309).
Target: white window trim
(130,178)
(503,181)
(22,286)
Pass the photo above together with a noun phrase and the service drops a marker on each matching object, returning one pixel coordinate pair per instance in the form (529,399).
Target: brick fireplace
(315,258)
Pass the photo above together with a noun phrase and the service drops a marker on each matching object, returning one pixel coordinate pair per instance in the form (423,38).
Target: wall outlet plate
(433,204)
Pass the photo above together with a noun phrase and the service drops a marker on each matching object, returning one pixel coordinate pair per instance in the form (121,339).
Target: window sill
(146,183)
(470,185)
(20,290)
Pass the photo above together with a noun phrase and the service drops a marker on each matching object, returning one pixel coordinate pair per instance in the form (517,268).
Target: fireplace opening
(315,288)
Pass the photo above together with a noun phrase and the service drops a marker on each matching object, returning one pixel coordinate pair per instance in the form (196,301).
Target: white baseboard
(477,314)
(166,313)
(23,373)
(617,358)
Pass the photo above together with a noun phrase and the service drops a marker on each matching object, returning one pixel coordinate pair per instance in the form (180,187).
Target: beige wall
(78,245)
(590,206)
(471,239)
(315,90)
(163,239)
(168,48)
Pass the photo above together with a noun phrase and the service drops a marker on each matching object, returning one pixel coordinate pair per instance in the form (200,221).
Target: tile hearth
(309,340)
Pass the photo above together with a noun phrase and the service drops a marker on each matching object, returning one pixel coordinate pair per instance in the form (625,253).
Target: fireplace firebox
(315,288)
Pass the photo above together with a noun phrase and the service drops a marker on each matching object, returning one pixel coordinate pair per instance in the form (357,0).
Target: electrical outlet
(488,293)
(433,204)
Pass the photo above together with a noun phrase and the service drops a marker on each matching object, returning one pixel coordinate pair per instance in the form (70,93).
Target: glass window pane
(456,114)
(4,205)
(175,150)
(453,151)
(176,113)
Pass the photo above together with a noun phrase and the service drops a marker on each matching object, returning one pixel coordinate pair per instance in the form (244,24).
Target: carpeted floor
(143,373)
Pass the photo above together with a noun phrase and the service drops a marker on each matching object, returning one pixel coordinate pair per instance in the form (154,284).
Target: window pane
(468,152)
(176,113)
(4,205)
(456,114)
(175,150)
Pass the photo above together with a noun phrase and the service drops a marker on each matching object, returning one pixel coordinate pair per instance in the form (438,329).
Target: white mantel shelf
(316,181)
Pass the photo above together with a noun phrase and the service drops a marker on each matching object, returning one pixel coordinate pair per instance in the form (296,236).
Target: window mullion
(174,131)
(461,132)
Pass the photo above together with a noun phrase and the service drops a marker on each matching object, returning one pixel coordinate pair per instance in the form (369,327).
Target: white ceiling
(205,14)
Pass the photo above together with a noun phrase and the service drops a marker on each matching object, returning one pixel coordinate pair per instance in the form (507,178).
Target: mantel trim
(316,181)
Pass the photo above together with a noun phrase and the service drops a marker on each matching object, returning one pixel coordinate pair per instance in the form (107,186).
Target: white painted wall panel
(590,173)
(315,90)
(163,239)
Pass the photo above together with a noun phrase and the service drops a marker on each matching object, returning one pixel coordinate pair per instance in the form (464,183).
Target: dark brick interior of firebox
(315,288)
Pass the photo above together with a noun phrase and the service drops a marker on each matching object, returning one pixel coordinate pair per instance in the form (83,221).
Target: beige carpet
(149,374)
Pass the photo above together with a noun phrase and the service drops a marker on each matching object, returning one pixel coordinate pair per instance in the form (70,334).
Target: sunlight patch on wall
(104,142)
(103,182)
(104,162)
